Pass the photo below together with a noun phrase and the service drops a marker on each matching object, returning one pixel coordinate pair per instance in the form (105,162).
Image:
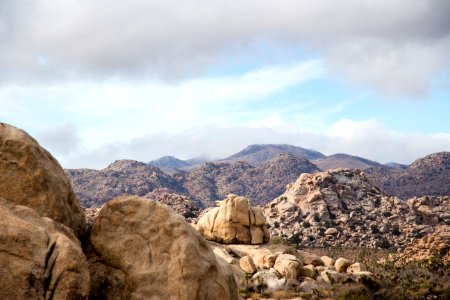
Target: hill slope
(429,175)
(256,154)
(345,161)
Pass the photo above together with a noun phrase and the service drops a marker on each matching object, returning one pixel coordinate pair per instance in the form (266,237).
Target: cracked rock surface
(142,249)
(39,258)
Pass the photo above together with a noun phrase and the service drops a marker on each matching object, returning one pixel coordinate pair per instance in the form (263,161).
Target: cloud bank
(367,138)
(397,47)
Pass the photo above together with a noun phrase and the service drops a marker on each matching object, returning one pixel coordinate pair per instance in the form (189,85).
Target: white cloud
(367,138)
(119,111)
(274,120)
(395,46)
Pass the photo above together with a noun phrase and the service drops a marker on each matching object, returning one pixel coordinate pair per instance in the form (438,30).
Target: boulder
(331,277)
(247,265)
(30,176)
(142,249)
(311,259)
(287,265)
(234,221)
(331,231)
(342,264)
(328,261)
(271,280)
(307,271)
(39,258)
(356,267)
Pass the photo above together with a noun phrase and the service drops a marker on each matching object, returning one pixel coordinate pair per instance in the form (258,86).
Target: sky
(96,81)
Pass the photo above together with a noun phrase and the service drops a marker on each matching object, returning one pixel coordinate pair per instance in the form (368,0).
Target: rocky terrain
(342,208)
(426,176)
(259,172)
(257,154)
(96,187)
(203,185)
(134,247)
(346,161)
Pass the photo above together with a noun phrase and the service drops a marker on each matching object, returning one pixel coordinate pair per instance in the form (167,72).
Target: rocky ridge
(342,207)
(426,176)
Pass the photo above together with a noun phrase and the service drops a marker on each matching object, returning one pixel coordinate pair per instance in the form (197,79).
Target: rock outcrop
(234,222)
(179,203)
(39,258)
(30,176)
(271,268)
(341,207)
(426,176)
(142,249)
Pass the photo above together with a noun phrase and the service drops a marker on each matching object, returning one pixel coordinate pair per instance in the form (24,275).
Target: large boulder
(234,221)
(144,250)
(39,258)
(30,176)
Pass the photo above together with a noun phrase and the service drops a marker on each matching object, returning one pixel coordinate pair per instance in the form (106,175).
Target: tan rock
(328,261)
(331,231)
(308,271)
(287,265)
(247,265)
(145,250)
(30,176)
(39,258)
(356,267)
(331,277)
(311,259)
(234,221)
(342,264)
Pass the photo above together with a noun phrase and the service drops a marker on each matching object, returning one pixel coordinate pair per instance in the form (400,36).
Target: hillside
(345,161)
(169,162)
(95,187)
(262,183)
(426,176)
(256,154)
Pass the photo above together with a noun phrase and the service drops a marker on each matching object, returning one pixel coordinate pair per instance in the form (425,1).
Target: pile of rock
(271,268)
(341,207)
(136,248)
(234,222)
(181,204)
(431,249)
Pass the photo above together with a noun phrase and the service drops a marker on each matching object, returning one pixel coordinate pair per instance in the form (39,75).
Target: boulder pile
(136,249)
(234,222)
(341,207)
(268,269)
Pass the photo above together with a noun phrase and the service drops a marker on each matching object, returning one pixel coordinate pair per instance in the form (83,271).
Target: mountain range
(259,172)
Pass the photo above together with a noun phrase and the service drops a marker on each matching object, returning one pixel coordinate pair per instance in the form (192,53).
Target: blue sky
(151,78)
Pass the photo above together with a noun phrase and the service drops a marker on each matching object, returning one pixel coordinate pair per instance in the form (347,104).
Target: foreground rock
(143,250)
(234,221)
(275,268)
(39,258)
(30,176)
(341,207)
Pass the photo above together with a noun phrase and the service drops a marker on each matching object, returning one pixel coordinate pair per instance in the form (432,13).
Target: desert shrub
(321,231)
(383,243)
(377,202)
(395,230)
(387,214)
(316,217)
(294,239)
(306,224)
(311,238)
(374,228)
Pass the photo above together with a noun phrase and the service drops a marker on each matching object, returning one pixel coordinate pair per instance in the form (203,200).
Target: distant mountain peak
(259,153)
